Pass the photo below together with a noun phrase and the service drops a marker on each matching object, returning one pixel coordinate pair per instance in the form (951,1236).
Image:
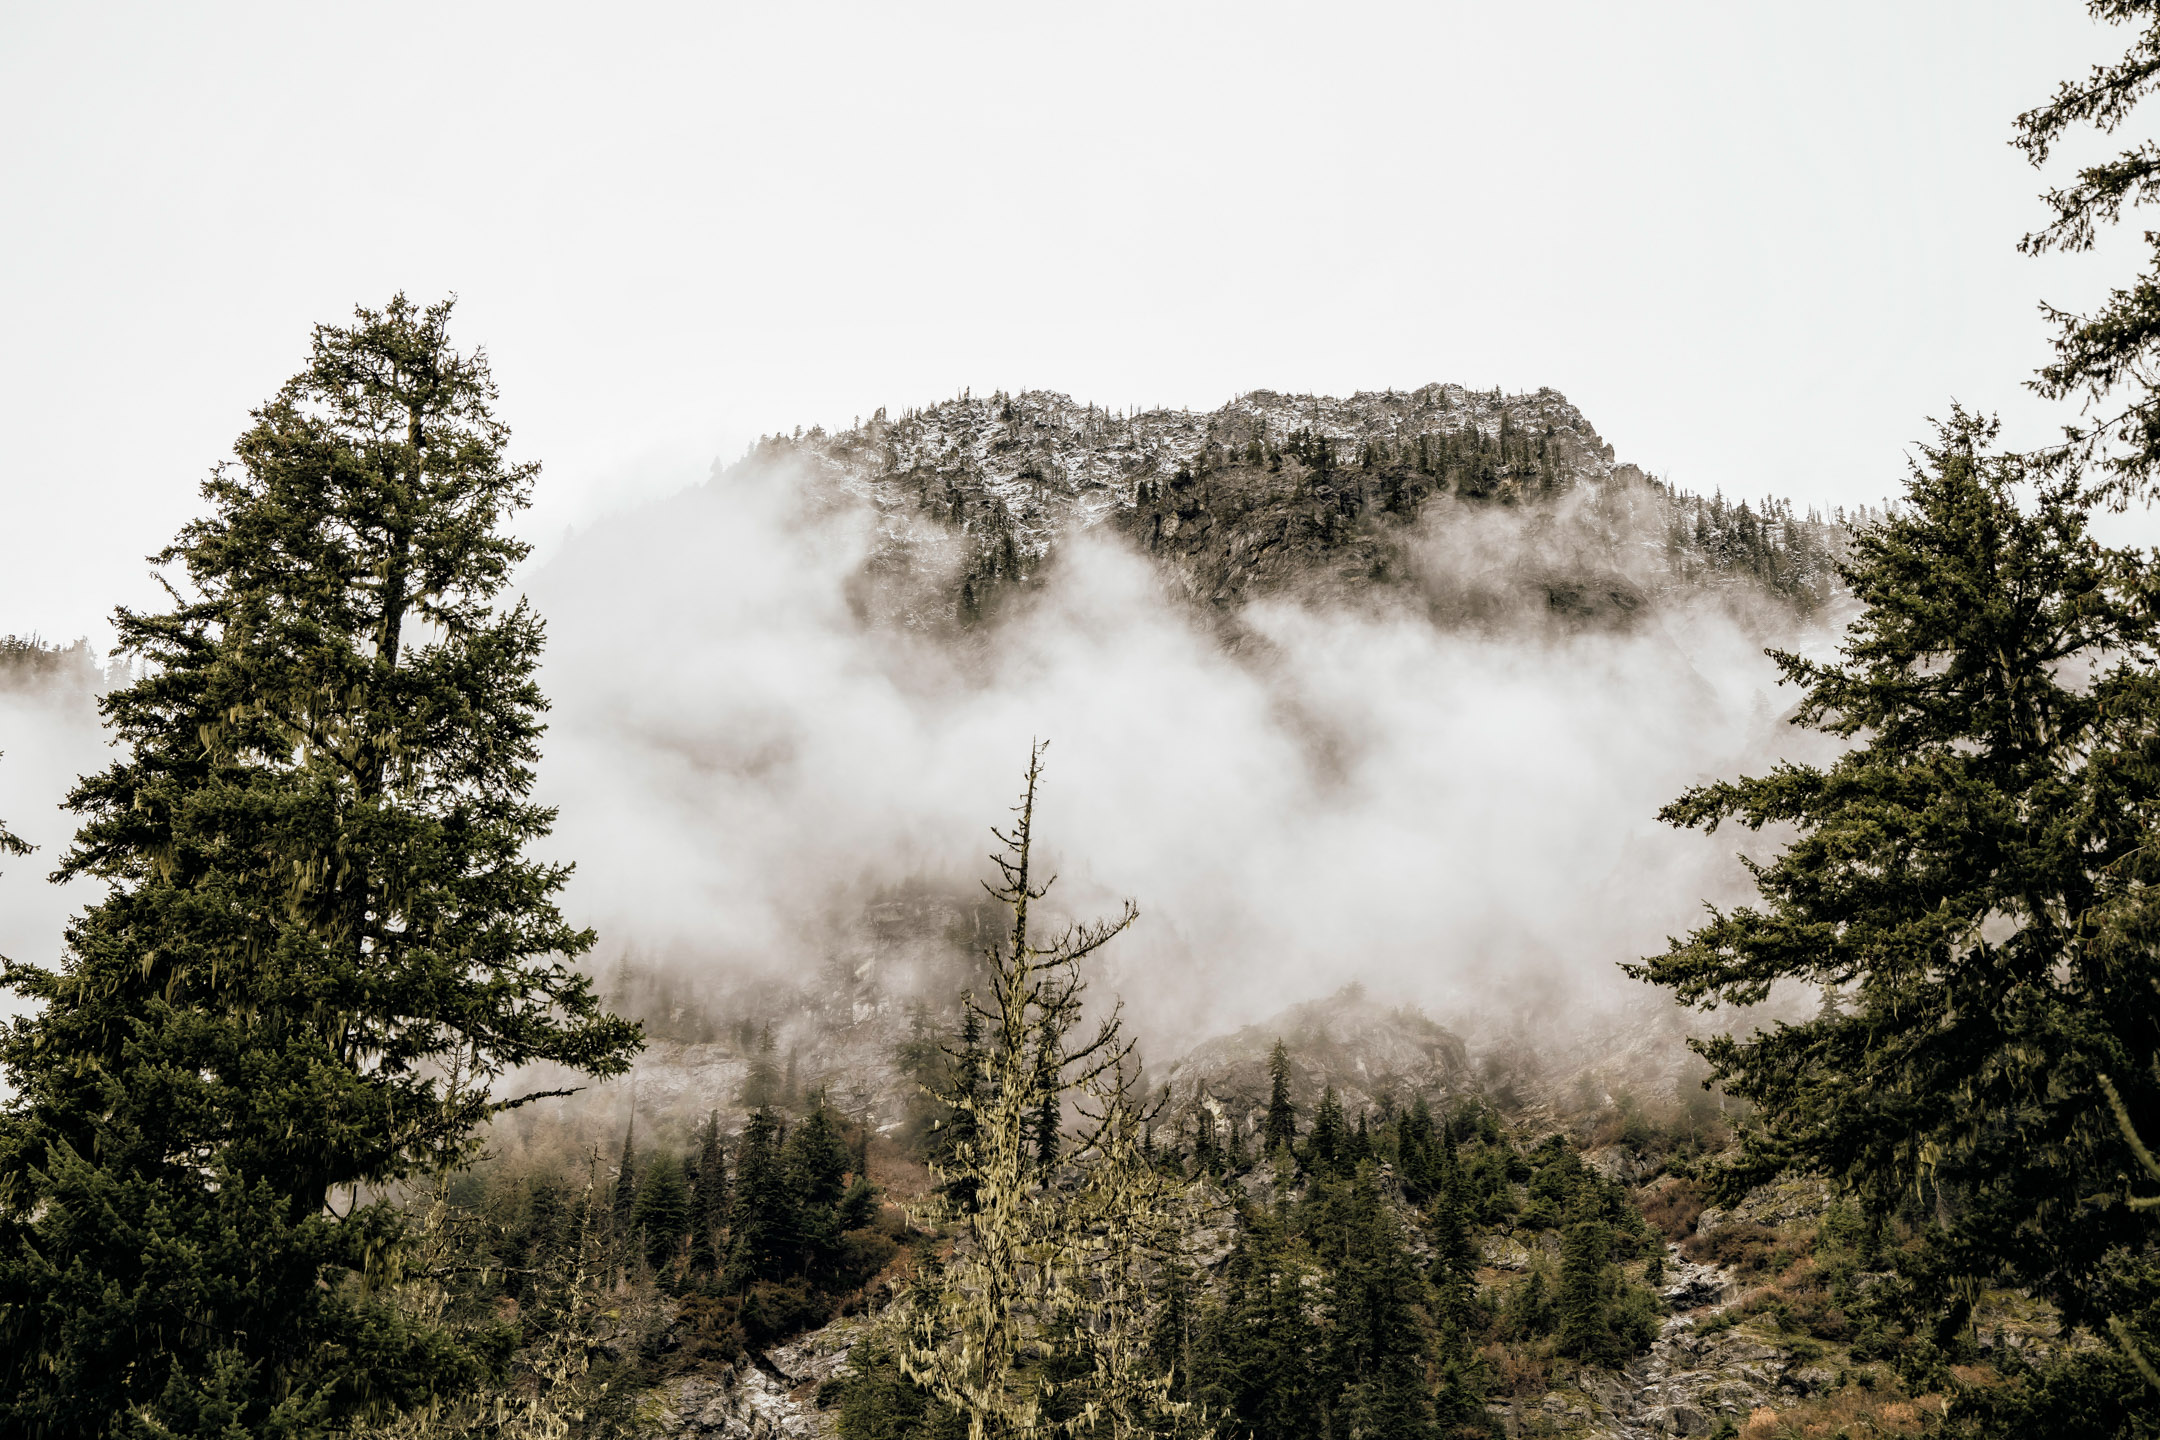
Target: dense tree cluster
(1351,1301)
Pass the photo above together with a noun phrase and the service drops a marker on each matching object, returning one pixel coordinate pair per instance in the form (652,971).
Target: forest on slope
(326,1117)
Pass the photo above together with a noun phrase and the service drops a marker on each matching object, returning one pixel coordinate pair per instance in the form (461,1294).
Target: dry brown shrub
(1762,1424)
(1673,1207)
(1520,1371)
(1745,1246)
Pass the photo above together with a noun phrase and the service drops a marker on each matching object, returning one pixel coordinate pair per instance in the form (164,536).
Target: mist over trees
(280,1154)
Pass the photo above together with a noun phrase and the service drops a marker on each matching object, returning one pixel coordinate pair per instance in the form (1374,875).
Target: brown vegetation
(1672,1205)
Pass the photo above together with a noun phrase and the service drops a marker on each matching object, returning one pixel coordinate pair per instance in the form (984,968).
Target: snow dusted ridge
(1046,462)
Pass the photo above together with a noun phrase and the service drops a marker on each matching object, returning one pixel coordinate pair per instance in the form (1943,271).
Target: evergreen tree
(1455,1258)
(958,1129)
(708,1198)
(1048,1110)
(320,940)
(2099,356)
(761,1221)
(1258,1371)
(1045,1303)
(1207,1157)
(625,1197)
(1379,1334)
(1585,1331)
(761,1087)
(1326,1147)
(1973,874)
(826,1205)
(1281,1133)
(662,1216)
(1528,1313)
(1416,1153)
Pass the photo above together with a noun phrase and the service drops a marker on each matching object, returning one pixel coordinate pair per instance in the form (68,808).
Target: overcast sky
(1756,244)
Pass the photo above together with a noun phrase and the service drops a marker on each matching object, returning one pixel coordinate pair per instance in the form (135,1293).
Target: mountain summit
(1308,494)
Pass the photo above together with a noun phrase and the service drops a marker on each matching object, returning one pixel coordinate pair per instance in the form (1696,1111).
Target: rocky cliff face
(1333,499)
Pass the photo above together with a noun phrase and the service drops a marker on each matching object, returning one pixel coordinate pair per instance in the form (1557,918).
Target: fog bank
(744,750)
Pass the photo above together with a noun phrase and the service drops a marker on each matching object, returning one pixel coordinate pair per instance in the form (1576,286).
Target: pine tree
(1455,1256)
(1207,1157)
(1380,1338)
(1048,1111)
(826,1203)
(1973,874)
(320,943)
(1281,1133)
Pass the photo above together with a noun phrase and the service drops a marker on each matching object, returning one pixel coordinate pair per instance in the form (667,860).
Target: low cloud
(1458,816)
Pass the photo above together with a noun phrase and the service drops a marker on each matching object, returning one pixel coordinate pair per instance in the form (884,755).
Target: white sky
(1757,244)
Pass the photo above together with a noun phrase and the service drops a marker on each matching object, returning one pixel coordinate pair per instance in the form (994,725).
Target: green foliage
(1281,1131)
(1380,1329)
(708,1198)
(662,1213)
(2100,355)
(1602,1318)
(1972,876)
(1327,1149)
(878,1402)
(762,1221)
(321,940)
(2088,1395)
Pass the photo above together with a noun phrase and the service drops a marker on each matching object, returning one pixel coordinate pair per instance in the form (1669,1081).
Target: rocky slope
(1334,499)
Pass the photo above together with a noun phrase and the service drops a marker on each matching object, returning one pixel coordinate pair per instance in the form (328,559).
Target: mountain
(1311,494)
(1383,689)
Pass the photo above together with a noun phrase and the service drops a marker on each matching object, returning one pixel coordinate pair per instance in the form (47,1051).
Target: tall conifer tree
(1281,1132)
(708,1198)
(321,939)
(1974,877)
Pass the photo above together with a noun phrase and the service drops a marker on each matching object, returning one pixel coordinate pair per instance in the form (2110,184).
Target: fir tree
(1045,1303)
(1455,1257)
(661,1218)
(1259,1369)
(1281,1132)
(761,1086)
(1585,1330)
(1379,1334)
(761,1221)
(708,1198)
(625,1198)
(958,1129)
(1326,1147)
(320,941)
(1048,1111)
(1973,874)
(2102,355)
(1207,1158)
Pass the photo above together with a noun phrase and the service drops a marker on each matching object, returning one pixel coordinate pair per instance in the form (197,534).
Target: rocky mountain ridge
(1313,494)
